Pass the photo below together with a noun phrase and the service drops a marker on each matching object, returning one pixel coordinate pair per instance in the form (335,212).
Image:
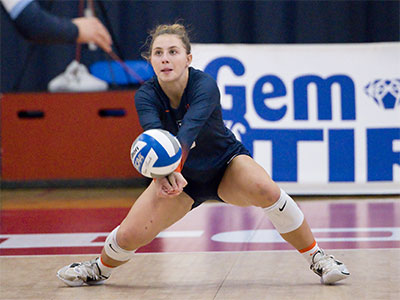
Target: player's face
(169,58)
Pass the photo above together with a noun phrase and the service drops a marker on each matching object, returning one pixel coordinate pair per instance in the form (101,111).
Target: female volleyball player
(186,102)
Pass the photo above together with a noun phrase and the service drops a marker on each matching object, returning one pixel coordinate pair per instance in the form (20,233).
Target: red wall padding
(63,136)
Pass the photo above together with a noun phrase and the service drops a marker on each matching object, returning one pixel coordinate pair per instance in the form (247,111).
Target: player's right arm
(148,110)
(149,118)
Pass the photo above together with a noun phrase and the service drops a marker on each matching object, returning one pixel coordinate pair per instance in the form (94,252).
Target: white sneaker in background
(76,78)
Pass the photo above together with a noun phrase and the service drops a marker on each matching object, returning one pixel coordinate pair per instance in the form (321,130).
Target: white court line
(272,236)
(200,252)
(57,240)
(266,236)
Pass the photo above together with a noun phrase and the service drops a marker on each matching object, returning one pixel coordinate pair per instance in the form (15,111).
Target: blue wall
(29,67)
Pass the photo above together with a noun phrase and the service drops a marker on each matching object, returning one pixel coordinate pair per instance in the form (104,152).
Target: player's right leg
(148,216)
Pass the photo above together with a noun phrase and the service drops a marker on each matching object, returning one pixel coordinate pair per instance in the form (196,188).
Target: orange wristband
(180,167)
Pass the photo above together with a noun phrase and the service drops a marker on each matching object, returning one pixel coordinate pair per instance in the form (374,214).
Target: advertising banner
(321,119)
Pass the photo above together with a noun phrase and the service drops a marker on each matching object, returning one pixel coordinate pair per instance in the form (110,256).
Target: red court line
(210,219)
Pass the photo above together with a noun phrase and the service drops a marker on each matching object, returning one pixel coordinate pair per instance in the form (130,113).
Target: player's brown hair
(176,29)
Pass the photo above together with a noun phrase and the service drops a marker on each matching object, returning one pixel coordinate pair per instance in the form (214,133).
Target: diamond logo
(385,92)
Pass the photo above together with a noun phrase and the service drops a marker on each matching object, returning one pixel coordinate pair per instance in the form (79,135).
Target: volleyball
(156,153)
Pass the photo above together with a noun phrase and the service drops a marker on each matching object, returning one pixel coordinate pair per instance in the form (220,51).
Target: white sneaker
(76,78)
(77,274)
(328,268)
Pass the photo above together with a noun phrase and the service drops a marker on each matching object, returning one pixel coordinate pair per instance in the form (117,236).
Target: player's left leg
(246,183)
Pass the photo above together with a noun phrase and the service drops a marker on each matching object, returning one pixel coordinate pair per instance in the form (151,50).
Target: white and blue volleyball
(156,153)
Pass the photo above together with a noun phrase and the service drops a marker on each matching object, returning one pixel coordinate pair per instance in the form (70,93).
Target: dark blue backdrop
(28,67)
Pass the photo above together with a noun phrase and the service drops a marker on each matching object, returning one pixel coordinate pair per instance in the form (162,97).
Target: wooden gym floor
(217,251)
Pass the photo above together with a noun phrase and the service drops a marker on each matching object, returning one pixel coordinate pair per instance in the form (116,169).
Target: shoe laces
(72,76)
(75,72)
(89,271)
(325,263)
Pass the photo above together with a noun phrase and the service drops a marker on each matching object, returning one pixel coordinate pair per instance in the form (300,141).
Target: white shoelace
(326,263)
(87,270)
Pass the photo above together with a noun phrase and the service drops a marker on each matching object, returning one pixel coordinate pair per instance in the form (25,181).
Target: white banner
(321,119)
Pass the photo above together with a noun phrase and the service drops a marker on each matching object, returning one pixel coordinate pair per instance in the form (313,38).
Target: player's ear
(189,59)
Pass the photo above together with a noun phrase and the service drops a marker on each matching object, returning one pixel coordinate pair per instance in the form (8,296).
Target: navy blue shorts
(208,190)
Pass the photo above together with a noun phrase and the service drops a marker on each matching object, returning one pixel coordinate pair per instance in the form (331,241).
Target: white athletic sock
(105,270)
(309,251)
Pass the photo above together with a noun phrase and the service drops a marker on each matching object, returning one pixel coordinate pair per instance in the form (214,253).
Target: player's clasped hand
(171,185)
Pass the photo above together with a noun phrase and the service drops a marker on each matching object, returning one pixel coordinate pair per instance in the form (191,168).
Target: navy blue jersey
(197,122)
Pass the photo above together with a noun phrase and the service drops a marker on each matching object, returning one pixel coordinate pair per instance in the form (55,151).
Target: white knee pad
(284,214)
(114,251)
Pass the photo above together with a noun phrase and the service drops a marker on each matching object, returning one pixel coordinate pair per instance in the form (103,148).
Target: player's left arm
(205,99)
